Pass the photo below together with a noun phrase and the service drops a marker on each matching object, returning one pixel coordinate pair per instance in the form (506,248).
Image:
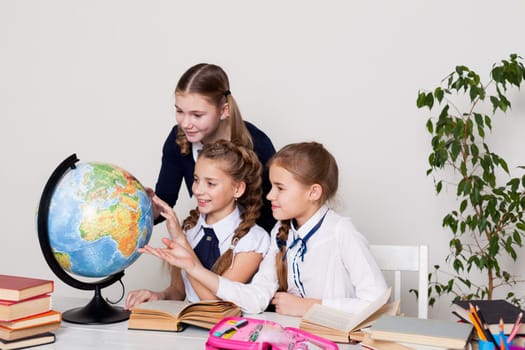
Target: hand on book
(141,295)
(293,305)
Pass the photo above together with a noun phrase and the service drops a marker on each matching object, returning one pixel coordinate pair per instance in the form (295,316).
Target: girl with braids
(221,233)
(316,255)
(206,111)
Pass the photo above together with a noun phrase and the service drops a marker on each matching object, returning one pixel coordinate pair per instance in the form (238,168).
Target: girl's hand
(175,254)
(172,221)
(138,296)
(156,208)
(293,305)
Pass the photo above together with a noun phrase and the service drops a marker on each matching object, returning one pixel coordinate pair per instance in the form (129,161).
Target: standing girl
(316,255)
(206,111)
(221,233)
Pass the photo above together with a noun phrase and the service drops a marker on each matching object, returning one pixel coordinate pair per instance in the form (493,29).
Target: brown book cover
(16,288)
(13,310)
(175,315)
(342,327)
(33,320)
(13,334)
(38,339)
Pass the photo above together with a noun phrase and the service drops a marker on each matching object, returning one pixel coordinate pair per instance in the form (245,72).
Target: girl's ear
(225,111)
(315,193)
(239,189)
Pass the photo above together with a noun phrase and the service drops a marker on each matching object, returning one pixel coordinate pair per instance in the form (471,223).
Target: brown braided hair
(211,82)
(309,163)
(242,165)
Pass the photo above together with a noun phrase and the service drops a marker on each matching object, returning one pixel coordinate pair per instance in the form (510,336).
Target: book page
(170,308)
(341,320)
(328,317)
(387,309)
(173,315)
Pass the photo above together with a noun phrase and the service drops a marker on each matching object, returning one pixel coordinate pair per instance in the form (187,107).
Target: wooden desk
(117,336)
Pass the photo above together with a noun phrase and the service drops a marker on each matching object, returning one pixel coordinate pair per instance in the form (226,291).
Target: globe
(99,216)
(92,219)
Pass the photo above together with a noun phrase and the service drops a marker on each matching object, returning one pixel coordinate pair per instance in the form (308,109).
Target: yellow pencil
(474,321)
(475,313)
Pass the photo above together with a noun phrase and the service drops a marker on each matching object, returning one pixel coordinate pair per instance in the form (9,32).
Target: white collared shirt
(338,268)
(256,240)
(195,149)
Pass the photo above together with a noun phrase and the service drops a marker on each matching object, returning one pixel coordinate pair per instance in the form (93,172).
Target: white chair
(399,258)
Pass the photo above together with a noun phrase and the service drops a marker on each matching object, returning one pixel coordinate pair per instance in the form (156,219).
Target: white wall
(96,78)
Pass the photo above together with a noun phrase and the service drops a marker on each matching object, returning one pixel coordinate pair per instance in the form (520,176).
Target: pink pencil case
(242,333)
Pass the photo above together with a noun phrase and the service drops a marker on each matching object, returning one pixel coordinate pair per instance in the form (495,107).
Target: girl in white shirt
(316,255)
(227,186)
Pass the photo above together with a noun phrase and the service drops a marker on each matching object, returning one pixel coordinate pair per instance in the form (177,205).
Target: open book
(341,326)
(175,315)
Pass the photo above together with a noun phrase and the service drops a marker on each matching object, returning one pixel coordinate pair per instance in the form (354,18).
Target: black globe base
(97,311)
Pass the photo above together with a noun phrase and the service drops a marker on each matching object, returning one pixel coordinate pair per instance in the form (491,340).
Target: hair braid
(280,261)
(191,219)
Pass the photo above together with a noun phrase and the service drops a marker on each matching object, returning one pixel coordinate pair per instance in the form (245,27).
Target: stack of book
(343,327)
(492,311)
(26,316)
(401,332)
(494,316)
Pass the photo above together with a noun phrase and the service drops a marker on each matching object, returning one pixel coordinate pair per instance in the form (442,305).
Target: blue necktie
(208,248)
(300,253)
(302,241)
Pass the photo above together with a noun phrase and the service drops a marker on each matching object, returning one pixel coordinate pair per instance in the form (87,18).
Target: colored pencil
(515,328)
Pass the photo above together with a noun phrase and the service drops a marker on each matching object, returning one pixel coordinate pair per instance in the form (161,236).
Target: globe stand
(97,311)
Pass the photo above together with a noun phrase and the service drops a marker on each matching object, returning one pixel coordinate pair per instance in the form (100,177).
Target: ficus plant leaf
(488,222)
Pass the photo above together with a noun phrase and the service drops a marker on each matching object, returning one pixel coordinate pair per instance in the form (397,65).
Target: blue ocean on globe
(99,215)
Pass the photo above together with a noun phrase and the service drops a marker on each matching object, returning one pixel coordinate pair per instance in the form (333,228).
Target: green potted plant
(488,222)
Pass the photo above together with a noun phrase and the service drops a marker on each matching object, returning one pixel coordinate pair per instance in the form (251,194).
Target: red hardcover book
(16,288)
(13,310)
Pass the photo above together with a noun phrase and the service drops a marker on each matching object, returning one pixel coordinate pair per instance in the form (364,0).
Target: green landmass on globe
(99,215)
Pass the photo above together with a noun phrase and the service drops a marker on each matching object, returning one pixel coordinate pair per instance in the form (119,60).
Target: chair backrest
(398,258)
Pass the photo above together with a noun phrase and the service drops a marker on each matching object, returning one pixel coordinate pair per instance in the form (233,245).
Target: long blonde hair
(211,82)
(242,165)
(309,163)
